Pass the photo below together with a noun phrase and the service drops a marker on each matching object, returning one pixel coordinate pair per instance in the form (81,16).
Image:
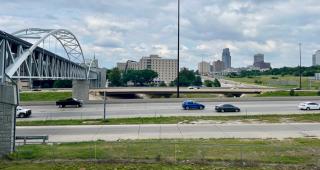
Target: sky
(117,31)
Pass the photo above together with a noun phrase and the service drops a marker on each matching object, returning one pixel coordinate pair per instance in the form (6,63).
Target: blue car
(189,104)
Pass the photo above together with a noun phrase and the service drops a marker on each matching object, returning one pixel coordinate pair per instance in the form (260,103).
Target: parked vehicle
(69,101)
(309,106)
(189,104)
(227,108)
(194,87)
(22,113)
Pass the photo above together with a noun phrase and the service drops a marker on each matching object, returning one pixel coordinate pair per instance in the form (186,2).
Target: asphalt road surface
(94,111)
(116,132)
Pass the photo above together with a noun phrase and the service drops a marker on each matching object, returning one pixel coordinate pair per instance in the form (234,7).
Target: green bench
(44,138)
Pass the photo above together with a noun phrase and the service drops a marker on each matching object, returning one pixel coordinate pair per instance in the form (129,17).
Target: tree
(139,77)
(62,84)
(186,78)
(208,83)
(216,83)
(162,84)
(147,76)
(197,81)
(292,92)
(115,77)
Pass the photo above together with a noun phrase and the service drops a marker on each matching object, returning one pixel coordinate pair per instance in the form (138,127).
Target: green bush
(208,83)
(292,92)
(162,84)
(257,81)
(216,83)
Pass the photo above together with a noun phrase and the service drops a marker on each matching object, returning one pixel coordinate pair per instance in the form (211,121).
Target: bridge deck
(174,90)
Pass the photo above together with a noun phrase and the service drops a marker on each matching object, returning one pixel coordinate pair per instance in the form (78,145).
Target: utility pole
(300,67)
(202,66)
(178,65)
(105,101)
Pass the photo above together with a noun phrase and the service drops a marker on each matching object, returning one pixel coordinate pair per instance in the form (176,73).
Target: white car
(309,106)
(194,87)
(23,113)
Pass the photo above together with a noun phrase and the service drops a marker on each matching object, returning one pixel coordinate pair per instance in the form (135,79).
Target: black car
(227,108)
(69,101)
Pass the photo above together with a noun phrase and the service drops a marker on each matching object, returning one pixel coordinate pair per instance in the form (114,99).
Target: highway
(116,132)
(121,110)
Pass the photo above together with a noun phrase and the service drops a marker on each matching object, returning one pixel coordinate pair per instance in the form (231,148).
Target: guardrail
(44,138)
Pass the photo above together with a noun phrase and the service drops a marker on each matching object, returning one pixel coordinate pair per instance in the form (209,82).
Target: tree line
(293,71)
(146,77)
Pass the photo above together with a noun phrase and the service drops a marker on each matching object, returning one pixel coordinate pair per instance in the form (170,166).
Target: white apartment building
(316,58)
(166,68)
(204,68)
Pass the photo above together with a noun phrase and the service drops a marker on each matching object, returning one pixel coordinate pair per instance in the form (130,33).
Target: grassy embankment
(178,119)
(44,96)
(287,93)
(278,81)
(169,154)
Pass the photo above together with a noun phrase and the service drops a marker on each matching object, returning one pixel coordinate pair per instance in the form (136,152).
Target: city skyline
(120,31)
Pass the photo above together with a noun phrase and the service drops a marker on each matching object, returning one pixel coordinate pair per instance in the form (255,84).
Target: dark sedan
(227,108)
(69,101)
(189,104)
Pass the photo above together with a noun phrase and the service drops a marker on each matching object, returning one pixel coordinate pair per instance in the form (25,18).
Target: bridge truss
(20,59)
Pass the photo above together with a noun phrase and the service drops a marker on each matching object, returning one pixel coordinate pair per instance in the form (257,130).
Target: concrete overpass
(173,90)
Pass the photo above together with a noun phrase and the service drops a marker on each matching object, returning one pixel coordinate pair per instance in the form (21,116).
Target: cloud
(128,30)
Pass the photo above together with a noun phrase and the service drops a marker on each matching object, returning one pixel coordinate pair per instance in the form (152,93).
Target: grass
(44,96)
(178,119)
(112,166)
(286,82)
(287,93)
(169,154)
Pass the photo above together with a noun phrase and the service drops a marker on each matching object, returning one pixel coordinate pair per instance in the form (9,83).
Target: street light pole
(300,66)
(178,65)
(105,101)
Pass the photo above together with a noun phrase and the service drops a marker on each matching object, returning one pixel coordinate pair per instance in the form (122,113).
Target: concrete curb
(176,100)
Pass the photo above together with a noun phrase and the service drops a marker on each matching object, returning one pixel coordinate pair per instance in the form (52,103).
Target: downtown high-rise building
(258,61)
(258,58)
(316,58)
(218,66)
(204,68)
(226,58)
(166,68)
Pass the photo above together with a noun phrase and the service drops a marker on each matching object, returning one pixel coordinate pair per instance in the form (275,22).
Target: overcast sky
(118,30)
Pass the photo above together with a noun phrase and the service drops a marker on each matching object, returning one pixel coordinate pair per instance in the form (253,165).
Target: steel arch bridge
(20,59)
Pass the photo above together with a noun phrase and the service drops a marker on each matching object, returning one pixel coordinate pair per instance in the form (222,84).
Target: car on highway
(22,112)
(227,108)
(190,104)
(309,106)
(194,87)
(69,102)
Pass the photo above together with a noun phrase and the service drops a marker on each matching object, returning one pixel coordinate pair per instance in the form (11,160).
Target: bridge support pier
(8,103)
(80,89)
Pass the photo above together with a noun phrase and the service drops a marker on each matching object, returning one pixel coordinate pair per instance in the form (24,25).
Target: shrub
(257,81)
(162,84)
(292,92)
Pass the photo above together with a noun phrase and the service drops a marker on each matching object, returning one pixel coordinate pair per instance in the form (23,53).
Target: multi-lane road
(115,132)
(159,131)
(93,111)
